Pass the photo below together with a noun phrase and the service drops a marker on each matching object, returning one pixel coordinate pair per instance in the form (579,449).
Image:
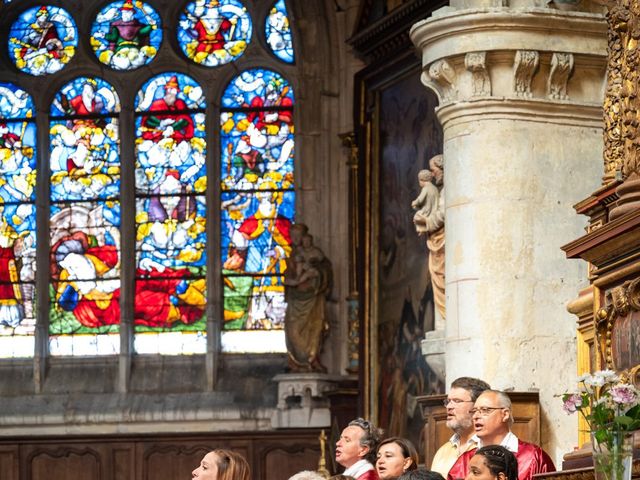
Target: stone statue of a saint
(430,220)
(308,280)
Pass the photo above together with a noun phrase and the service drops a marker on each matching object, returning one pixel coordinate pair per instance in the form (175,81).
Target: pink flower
(624,394)
(571,403)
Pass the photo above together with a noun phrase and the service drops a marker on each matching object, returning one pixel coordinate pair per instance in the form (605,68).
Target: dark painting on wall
(408,136)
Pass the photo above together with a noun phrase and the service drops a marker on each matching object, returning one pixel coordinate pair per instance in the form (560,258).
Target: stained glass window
(126,34)
(17,222)
(85,219)
(170,296)
(257,208)
(213,32)
(43,40)
(278,32)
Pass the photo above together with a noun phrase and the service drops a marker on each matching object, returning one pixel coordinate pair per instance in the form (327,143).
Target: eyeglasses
(455,401)
(484,411)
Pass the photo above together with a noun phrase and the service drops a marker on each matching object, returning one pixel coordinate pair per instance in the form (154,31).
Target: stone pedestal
(433,349)
(521,93)
(302,400)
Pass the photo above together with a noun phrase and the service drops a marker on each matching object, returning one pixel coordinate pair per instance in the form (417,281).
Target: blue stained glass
(126,34)
(255,145)
(256,239)
(170,216)
(17,222)
(85,96)
(214,32)
(85,154)
(170,91)
(14,102)
(43,40)
(277,30)
(85,268)
(258,88)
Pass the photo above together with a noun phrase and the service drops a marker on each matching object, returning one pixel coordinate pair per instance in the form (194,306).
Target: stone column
(521,92)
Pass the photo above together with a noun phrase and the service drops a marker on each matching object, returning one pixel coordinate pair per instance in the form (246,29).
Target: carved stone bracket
(475,62)
(442,73)
(302,400)
(616,328)
(525,65)
(561,69)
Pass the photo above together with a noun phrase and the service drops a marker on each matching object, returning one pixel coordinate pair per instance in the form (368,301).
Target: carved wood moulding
(618,329)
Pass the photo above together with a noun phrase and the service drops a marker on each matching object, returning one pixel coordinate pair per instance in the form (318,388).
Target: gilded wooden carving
(618,329)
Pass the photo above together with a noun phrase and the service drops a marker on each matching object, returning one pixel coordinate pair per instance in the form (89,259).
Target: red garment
(369,475)
(9,293)
(79,108)
(284,116)
(153,298)
(531,460)
(210,41)
(183,124)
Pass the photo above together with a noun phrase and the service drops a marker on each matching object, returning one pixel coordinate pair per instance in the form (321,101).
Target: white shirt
(510,442)
(358,468)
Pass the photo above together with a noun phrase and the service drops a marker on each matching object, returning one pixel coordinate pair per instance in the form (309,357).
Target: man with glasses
(356,449)
(463,393)
(492,420)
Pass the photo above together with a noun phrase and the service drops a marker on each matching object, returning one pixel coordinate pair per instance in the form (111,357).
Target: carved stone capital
(561,69)
(443,75)
(525,65)
(475,62)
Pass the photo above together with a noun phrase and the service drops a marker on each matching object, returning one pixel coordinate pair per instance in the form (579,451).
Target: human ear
(502,476)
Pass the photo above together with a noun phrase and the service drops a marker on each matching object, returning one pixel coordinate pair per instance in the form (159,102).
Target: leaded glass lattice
(43,40)
(85,219)
(171,239)
(17,222)
(126,34)
(277,31)
(214,33)
(257,203)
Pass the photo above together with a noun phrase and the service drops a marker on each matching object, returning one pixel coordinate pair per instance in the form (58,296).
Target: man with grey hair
(492,420)
(463,393)
(356,449)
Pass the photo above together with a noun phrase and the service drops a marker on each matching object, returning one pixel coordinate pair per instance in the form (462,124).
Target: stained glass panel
(126,34)
(257,202)
(17,222)
(171,257)
(84,219)
(213,32)
(277,30)
(43,40)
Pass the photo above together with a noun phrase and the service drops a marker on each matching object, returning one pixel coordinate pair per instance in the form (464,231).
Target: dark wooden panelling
(271,455)
(8,463)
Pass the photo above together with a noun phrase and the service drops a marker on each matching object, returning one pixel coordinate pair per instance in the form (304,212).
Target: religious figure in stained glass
(171,208)
(126,34)
(214,32)
(43,40)
(84,216)
(17,221)
(278,32)
(257,198)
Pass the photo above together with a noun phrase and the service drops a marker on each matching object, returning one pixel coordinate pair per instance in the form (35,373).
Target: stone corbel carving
(525,65)
(475,62)
(561,69)
(615,327)
(442,74)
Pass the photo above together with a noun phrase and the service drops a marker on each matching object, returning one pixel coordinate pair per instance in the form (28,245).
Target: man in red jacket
(492,420)
(356,449)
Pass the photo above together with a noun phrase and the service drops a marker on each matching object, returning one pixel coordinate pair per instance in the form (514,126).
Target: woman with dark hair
(221,464)
(493,462)
(395,456)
